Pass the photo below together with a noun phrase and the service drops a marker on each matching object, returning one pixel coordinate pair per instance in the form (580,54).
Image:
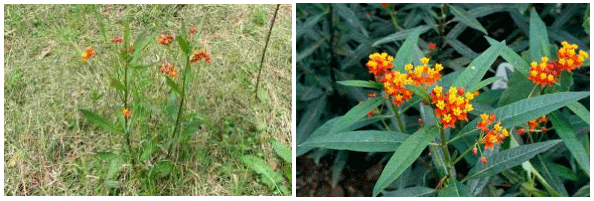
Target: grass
(50,148)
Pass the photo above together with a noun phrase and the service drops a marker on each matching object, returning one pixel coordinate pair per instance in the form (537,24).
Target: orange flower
(544,73)
(520,131)
(88,53)
(193,30)
(568,59)
(474,150)
(483,160)
(543,118)
(385,5)
(117,40)
(394,82)
(431,46)
(379,64)
(371,95)
(168,69)
(494,136)
(126,112)
(424,74)
(370,113)
(543,129)
(450,106)
(197,55)
(165,39)
(532,124)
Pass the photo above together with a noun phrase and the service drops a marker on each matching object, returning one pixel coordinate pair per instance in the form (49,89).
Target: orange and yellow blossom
(88,53)
(165,39)
(379,64)
(197,55)
(126,112)
(394,86)
(492,136)
(544,73)
(452,106)
(424,74)
(568,59)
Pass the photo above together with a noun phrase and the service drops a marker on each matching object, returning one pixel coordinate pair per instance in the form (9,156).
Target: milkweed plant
(451,126)
(127,57)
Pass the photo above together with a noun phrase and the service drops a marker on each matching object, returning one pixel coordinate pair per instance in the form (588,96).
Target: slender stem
(386,125)
(461,135)
(461,156)
(397,114)
(183,93)
(444,147)
(264,52)
(394,20)
(533,88)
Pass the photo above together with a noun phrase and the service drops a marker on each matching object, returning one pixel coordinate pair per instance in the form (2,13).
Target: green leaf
(475,71)
(466,19)
(401,35)
(361,83)
(569,137)
(184,45)
(281,150)
(309,121)
(416,191)
(509,158)
(484,83)
(461,48)
(304,53)
(539,39)
(580,111)
(350,16)
(404,156)
(586,23)
(364,141)
(403,56)
(173,85)
(117,84)
(356,113)
(527,109)
(518,88)
(419,91)
(140,44)
(551,177)
(309,23)
(454,189)
(338,165)
(512,57)
(269,177)
(163,168)
(563,171)
(99,121)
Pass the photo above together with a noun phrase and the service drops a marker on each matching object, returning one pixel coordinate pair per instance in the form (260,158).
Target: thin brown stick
(264,52)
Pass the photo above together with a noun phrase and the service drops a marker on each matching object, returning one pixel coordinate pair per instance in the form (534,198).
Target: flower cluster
(165,39)
(88,53)
(452,106)
(568,59)
(431,46)
(385,5)
(424,74)
(168,69)
(394,82)
(117,40)
(546,72)
(193,30)
(534,123)
(494,136)
(197,55)
(379,64)
(126,112)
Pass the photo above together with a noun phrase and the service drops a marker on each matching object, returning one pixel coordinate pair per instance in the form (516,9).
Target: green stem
(394,20)
(444,147)
(183,93)
(397,114)
(533,88)
(461,135)
(461,156)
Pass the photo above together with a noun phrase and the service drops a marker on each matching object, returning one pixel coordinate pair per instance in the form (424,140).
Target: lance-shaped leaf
(99,121)
(570,140)
(403,56)
(269,177)
(404,156)
(509,158)
(539,39)
(364,141)
(401,35)
(580,111)
(281,150)
(310,23)
(417,191)
(117,84)
(184,45)
(484,83)
(356,113)
(361,83)
(339,163)
(454,189)
(350,16)
(466,18)
(475,71)
(173,85)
